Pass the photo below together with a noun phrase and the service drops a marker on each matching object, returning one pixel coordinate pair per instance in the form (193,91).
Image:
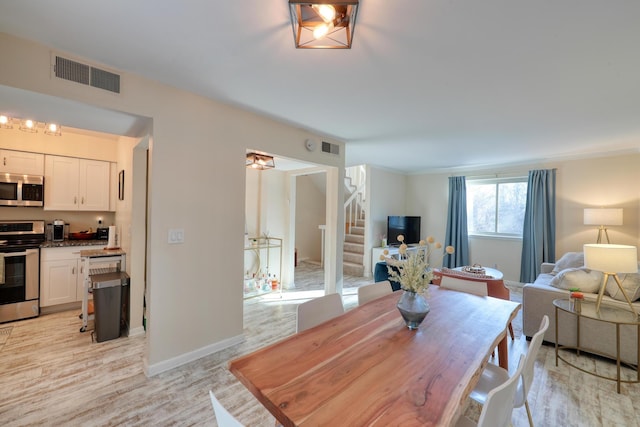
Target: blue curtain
(457,235)
(539,231)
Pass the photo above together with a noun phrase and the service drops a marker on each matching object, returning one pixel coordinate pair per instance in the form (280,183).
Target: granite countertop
(71,243)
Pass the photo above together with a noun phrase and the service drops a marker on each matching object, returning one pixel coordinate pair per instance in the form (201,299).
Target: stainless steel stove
(20,267)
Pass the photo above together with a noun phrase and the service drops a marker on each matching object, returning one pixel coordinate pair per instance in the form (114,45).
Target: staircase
(353,246)
(353,249)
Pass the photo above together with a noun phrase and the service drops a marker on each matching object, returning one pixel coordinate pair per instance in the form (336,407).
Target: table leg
(503,354)
(556,337)
(618,355)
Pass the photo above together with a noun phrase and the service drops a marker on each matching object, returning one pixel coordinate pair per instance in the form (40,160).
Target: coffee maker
(58,230)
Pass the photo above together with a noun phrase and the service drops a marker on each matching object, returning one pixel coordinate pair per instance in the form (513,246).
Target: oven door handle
(27,252)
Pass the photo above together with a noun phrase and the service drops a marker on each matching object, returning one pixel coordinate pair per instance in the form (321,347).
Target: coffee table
(608,314)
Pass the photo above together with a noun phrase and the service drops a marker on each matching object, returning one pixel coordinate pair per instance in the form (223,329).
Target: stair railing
(354,205)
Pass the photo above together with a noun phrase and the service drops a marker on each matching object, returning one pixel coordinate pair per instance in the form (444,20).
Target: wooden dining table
(366,368)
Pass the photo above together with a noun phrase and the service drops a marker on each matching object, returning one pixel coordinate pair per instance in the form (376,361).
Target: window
(496,206)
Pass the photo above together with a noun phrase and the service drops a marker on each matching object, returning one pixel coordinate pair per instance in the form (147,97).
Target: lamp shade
(611,258)
(601,216)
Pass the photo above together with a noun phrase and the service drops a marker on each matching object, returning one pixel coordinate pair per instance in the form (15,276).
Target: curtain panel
(539,230)
(456,234)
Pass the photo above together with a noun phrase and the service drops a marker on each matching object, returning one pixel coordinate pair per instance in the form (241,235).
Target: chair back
(223,417)
(461,285)
(373,291)
(529,362)
(497,410)
(318,310)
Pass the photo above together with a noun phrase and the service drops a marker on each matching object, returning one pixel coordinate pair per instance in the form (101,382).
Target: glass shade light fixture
(603,217)
(29,125)
(611,260)
(323,24)
(52,129)
(260,161)
(5,122)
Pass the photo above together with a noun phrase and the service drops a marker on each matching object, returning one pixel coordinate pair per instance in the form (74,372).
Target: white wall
(581,183)
(196,183)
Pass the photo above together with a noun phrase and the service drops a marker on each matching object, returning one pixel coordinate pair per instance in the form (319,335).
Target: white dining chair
(373,291)
(223,417)
(498,408)
(493,375)
(318,310)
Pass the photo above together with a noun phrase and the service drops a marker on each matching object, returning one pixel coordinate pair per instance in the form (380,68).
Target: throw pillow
(568,260)
(631,284)
(588,281)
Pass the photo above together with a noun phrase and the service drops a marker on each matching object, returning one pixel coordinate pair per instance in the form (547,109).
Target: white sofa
(596,337)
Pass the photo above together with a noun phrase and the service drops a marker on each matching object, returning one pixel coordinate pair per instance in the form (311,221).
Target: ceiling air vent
(330,148)
(85,74)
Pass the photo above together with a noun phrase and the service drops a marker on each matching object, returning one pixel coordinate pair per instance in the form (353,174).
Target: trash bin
(110,296)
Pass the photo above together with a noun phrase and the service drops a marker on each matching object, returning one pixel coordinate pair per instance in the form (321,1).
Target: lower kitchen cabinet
(61,275)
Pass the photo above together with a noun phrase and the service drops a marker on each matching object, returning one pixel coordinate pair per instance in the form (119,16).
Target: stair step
(354,238)
(352,257)
(352,269)
(356,230)
(353,247)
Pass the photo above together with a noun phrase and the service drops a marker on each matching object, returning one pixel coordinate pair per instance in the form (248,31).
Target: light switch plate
(176,235)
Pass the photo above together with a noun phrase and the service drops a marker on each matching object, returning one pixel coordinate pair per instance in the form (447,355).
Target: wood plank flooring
(51,374)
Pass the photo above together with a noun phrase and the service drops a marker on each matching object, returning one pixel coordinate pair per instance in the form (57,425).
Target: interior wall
(386,195)
(197,185)
(310,211)
(608,181)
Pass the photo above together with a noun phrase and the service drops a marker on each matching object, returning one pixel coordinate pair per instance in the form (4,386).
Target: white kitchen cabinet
(76,184)
(21,162)
(61,275)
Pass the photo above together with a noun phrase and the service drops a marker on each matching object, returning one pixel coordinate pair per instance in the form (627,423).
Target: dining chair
(373,291)
(461,285)
(498,407)
(318,310)
(223,417)
(493,375)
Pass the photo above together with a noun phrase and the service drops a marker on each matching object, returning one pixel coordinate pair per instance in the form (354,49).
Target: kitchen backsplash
(78,221)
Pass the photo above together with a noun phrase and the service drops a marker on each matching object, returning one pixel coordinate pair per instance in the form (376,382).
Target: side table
(608,314)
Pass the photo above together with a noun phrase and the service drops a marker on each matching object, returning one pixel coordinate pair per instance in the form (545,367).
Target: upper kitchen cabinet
(76,184)
(21,162)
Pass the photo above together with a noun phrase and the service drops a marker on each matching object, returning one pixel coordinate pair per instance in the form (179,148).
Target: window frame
(497,182)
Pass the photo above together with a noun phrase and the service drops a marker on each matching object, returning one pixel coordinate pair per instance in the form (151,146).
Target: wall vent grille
(85,74)
(330,148)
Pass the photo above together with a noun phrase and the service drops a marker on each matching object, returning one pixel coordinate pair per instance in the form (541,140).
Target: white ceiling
(427,85)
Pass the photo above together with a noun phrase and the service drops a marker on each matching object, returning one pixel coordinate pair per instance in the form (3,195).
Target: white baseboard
(136,331)
(174,362)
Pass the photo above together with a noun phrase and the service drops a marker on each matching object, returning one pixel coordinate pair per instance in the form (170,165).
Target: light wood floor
(50,374)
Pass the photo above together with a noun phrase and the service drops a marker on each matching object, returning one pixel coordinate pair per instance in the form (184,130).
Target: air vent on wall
(85,74)
(330,148)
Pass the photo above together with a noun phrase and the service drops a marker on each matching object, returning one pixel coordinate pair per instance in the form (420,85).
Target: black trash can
(110,298)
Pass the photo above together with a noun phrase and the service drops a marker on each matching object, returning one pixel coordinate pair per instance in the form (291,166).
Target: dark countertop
(71,243)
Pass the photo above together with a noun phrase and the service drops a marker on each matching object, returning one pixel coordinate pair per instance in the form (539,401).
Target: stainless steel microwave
(21,190)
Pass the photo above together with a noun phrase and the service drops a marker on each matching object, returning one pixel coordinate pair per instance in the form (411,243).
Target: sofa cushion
(631,284)
(581,278)
(569,260)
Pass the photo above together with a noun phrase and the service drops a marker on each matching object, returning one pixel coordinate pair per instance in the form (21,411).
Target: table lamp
(611,260)
(603,217)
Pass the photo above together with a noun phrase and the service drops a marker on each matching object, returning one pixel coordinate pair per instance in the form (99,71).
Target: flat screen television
(408,226)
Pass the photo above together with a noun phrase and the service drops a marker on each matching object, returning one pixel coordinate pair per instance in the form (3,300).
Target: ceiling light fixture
(52,129)
(323,24)
(28,125)
(260,161)
(5,122)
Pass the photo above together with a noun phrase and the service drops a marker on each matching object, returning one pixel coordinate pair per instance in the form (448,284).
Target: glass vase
(414,308)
